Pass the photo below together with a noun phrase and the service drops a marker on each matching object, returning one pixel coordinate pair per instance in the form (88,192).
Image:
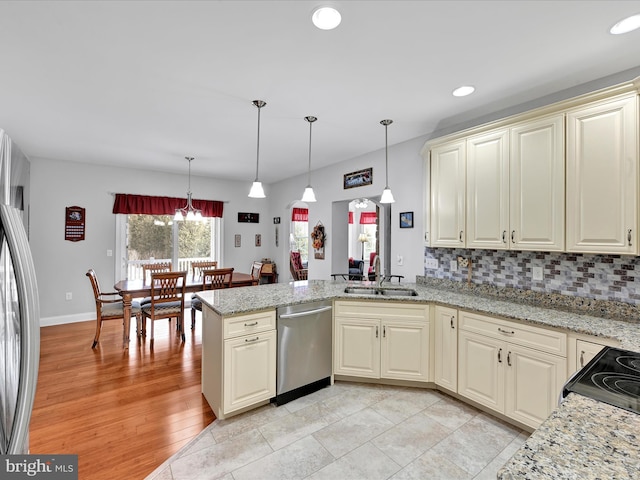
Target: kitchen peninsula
(261,300)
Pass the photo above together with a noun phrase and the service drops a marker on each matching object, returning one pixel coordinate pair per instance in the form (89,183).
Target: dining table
(138,288)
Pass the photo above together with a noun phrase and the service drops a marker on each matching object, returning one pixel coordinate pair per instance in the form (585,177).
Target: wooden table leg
(126,307)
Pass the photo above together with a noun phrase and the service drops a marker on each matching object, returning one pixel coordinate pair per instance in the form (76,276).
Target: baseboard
(62,319)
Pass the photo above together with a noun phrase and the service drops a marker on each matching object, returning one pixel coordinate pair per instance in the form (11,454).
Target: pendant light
(387,196)
(308,196)
(256,189)
(188,211)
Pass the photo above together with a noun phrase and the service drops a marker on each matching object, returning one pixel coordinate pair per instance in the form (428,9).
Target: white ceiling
(144,83)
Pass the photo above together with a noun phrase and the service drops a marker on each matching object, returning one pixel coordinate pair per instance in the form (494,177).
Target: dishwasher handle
(305,313)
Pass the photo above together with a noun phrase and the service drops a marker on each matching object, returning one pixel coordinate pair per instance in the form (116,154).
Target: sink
(389,292)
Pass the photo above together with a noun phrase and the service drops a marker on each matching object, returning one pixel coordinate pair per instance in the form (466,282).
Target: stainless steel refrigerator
(20,310)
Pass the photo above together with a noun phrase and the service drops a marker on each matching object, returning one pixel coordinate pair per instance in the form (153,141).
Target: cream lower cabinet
(238,360)
(446,347)
(582,348)
(517,370)
(381,340)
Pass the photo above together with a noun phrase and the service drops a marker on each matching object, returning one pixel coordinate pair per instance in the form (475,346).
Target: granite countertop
(236,301)
(582,439)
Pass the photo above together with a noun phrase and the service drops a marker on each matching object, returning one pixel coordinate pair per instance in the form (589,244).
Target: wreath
(317,235)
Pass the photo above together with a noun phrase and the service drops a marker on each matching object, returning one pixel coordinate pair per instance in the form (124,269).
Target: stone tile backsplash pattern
(600,277)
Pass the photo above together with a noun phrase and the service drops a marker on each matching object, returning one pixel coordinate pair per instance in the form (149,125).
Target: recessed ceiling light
(326,18)
(463,91)
(626,25)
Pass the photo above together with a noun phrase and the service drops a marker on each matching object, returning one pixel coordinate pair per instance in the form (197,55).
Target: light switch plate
(431,263)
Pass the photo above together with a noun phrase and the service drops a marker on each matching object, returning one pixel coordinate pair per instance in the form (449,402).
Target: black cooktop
(612,376)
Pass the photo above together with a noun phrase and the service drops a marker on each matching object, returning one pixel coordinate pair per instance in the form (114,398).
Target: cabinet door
(249,370)
(602,184)
(357,347)
(481,363)
(534,382)
(447,195)
(536,177)
(446,347)
(488,190)
(405,350)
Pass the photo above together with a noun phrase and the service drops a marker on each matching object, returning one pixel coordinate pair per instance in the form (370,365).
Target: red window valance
(367,218)
(299,214)
(149,205)
(350,218)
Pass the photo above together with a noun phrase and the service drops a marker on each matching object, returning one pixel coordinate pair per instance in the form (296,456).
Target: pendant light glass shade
(309,196)
(188,212)
(256,189)
(387,196)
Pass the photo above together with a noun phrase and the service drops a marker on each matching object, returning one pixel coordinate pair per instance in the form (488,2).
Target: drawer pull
(500,356)
(629,237)
(509,358)
(582,359)
(452,326)
(376,331)
(251,324)
(251,340)
(504,236)
(460,236)
(506,332)
(384,331)
(513,236)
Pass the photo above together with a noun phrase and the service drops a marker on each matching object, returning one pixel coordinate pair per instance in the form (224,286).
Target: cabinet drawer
(542,339)
(373,309)
(248,324)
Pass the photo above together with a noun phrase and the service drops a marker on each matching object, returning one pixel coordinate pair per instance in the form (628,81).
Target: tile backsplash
(601,277)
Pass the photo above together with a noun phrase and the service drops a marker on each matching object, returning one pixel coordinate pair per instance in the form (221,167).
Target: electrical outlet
(453,265)
(68,296)
(537,273)
(431,263)
(109,253)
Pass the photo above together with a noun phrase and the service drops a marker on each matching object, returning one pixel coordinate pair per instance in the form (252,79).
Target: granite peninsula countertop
(236,301)
(583,439)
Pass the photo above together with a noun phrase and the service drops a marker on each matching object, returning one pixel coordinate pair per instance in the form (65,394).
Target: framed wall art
(359,178)
(406,219)
(245,217)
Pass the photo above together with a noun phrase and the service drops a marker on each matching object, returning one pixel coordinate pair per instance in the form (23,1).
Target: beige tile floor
(351,431)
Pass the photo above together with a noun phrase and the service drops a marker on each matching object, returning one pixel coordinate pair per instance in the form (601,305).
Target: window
(145,238)
(299,240)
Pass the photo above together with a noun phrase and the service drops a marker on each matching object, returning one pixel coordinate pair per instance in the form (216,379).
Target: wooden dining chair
(167,300)
(149,268)
(109,307)
(256,272)
(211,280)
(295,264)
(198,266)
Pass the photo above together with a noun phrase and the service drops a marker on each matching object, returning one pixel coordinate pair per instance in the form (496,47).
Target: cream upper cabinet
(488,190)
(447,186)
(381,340)
(602,177)
(536,174)
(446,347)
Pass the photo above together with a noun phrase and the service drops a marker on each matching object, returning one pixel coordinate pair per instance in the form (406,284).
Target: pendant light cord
(309,169)
(258,142)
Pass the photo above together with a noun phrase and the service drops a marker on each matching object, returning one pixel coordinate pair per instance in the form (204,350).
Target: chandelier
(361,203)
(188,211)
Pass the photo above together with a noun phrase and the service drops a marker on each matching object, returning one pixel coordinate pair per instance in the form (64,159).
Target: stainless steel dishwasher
(304,350)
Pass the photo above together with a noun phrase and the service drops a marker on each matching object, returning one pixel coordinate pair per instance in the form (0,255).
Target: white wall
(61,265)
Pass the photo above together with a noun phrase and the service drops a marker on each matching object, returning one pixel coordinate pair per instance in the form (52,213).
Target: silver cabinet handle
(504,236)
(500,356)
(506,332)
(251,340)
(582,359)
(251,324)
(629,237)
(513,236)
(509,358)
(460,236)
(452,322)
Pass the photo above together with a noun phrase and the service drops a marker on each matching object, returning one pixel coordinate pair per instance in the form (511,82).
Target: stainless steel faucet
(376,269)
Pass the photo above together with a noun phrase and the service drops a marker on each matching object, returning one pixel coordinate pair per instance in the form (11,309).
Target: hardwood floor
(123,413)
